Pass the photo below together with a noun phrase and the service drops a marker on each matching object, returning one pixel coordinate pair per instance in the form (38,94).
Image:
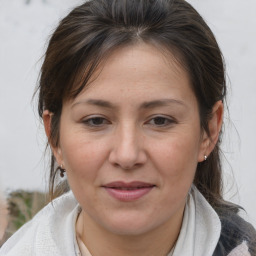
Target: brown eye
(161,121)
(96,121)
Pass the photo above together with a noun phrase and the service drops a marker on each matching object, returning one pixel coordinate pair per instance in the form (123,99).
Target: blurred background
(25,27)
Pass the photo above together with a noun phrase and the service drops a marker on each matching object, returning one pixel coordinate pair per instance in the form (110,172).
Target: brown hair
(93,30)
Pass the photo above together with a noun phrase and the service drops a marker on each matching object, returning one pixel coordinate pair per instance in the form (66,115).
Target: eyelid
(89,118)
(170,119)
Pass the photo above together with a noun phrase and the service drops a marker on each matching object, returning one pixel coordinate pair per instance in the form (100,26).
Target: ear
(209,141)
(47,119)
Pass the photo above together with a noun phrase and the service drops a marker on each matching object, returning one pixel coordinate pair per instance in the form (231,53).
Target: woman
(131,94)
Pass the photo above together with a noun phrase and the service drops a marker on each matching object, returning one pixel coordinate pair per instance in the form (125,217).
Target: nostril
(127,155)
(127,167)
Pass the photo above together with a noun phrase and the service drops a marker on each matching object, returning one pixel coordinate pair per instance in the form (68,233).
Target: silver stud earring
(205,157)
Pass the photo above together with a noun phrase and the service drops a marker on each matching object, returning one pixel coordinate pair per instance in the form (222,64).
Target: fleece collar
(201,227)
(52,230)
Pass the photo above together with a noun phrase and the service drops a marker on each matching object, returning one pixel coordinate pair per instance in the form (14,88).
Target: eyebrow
(160,103)
(96,102)
(144,105)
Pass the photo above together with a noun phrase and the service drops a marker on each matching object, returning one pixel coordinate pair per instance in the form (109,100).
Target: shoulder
(44,229)
(238,237)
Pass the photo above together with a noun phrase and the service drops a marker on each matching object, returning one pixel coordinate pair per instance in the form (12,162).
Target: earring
(62,170)
(205,157)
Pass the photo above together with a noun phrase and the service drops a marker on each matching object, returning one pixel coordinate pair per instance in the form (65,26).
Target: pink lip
(128,191)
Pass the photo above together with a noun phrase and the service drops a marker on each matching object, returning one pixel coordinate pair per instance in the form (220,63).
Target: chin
(130,225)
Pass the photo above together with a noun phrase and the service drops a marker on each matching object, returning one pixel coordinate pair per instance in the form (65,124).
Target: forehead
(137,69)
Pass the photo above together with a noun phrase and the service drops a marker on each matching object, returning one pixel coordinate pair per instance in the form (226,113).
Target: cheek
(83,162)
(176,158)
(176,162)
(82,157)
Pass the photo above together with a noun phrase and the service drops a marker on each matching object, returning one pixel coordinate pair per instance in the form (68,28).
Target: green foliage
(22,206)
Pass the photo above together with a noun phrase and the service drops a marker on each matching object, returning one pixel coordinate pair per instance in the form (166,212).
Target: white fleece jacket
(52,231)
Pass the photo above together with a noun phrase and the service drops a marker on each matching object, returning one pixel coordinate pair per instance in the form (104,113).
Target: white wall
(234,23)
(23,33)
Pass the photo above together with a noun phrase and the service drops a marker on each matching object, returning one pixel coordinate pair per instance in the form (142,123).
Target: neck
(159,241)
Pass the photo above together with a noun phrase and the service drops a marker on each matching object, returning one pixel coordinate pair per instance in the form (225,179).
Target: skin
(137,121)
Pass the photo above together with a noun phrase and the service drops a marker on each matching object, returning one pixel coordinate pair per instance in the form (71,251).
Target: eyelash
(168,121)
(91,119)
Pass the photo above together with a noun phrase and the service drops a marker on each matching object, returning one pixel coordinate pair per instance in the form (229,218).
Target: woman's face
(131,141)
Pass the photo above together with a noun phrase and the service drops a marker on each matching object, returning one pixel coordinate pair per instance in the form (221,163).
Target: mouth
(128,192)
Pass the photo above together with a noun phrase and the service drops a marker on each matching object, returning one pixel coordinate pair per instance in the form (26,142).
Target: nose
(128,150)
